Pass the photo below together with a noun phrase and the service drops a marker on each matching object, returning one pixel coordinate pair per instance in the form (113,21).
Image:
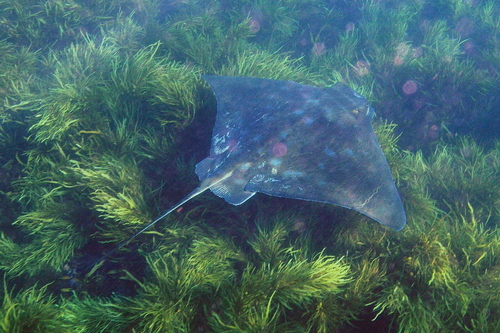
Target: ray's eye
(361,110)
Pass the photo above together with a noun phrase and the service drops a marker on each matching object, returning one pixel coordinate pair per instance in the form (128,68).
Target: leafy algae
(102,109)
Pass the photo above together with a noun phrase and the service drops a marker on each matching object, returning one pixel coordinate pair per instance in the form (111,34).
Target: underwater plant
(99,98)
(30,310)
(103,116)
(201,280)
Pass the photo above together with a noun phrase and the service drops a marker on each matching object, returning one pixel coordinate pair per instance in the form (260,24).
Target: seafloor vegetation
(104,114)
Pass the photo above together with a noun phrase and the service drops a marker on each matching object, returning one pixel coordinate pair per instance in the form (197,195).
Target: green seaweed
(269,65)
(56,238)
(117,194)
(97,102)
(283,278)
(445,251)
(204,41)
(99,99)
(94,315)
(193,275)
(30,310)
(439,267)
(98,90)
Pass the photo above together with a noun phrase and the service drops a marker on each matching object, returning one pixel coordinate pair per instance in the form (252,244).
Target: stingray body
(290,140)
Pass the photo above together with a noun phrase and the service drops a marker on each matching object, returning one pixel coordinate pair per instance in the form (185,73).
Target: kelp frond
(268,65)
(118,194)
(97,315)
(98,89)
(30,310)
(200,39)
(431,260)
(268,243)
(466,173)
(284,278)
(265,293)
(168,301)
(11,252)
(414,315)
(330,313)
(56,235)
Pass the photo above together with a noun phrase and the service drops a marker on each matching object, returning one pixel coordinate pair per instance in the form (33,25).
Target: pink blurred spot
(254,25)
(350,26)
(279,149)
(469,47)
(410,87)
(318,49)
(362,68)
(418,104)
(402,49)
(464,27)
(299,225)
(433,132)
(398,60)
(417,52)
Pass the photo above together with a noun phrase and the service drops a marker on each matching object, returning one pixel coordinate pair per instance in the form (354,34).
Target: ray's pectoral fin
(231,192)
(289,140)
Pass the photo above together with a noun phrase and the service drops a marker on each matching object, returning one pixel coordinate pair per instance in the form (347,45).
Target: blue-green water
(104,115)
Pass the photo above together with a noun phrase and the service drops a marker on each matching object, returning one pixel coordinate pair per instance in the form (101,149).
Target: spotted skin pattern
(290,140)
